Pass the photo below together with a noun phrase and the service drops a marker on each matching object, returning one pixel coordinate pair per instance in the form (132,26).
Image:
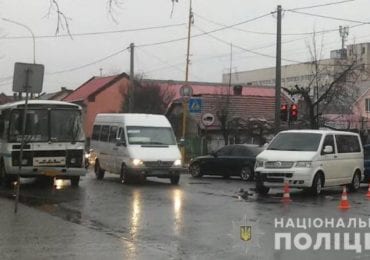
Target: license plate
(159,172)
(51,173)
(49,161)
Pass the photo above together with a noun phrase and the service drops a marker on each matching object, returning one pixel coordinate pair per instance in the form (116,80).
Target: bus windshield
(150,135)
(43,125)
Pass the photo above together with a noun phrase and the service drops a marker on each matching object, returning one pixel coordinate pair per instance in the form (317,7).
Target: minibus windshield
(43,125)
(150,135)
(296,142)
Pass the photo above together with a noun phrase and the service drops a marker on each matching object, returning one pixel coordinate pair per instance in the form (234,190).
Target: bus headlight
(258,164)
(177,162)
(137,162)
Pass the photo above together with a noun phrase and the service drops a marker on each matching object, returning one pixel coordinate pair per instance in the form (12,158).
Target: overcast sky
(66,59)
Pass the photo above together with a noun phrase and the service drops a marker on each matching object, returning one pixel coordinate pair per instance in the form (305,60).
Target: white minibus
(312,160)
(135,146)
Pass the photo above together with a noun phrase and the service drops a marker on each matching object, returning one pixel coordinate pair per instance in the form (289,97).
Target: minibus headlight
(177,162)
(137,162)
(303,164)
(259,164)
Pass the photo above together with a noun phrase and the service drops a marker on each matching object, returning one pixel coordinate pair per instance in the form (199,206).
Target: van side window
(113,134)
(104,133)
(121,135)
(329,140)
(96,132)
(347,144)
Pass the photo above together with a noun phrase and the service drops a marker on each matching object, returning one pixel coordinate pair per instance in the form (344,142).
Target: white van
(135,146)
(311,159)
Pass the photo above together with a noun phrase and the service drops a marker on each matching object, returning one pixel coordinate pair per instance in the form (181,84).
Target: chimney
(238,89)
(63,89)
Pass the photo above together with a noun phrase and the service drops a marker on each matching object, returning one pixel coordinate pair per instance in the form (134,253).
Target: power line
(93,33)
(198,35)
(272,33)
(89,64)
(247,50)
(320,5)
(329,17)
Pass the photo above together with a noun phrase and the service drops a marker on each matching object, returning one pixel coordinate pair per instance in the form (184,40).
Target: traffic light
(293,112)
(284,112)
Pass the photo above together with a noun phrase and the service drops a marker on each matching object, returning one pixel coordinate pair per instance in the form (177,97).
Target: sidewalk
(33,234)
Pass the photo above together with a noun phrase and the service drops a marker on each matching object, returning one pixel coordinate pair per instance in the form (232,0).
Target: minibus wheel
(261,188)
(123,175)
(175,179)
(317,184)
(356,181)
(5,179)
(99,172)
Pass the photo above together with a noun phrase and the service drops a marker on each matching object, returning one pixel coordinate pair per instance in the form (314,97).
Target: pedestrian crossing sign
(195,105)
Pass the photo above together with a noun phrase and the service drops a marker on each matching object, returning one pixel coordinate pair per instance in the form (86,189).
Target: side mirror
(328,149)
(181,142)
(120,142)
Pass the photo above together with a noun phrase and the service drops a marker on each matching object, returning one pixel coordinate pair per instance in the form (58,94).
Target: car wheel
(195,170)
(317,184)
(175,179)
(356,181)
(123,176)
(99,172)
(246,173)
(75,181)
(261,188)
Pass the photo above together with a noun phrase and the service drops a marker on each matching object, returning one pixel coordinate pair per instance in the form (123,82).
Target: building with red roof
(99,95)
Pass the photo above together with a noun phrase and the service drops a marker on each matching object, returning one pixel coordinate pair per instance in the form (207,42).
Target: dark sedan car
(367,162)
(230,160)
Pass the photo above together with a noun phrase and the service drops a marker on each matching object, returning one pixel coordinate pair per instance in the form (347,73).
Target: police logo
(245,233)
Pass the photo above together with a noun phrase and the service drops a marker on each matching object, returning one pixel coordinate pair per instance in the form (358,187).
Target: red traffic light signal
(293,112)
(284,112)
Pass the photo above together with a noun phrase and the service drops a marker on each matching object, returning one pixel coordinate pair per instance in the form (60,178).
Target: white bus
(54,141)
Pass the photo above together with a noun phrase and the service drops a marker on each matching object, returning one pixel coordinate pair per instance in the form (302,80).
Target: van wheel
(175,179)
(260,188)
(317,184)
(355,184)
(99,172)
(123,175)
(75,181)
(246,173)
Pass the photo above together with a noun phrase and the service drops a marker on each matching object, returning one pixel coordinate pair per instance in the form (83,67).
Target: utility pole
(131,91)
(184,101)
(278,71)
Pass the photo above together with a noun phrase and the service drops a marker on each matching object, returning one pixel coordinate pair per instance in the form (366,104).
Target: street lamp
(28,29)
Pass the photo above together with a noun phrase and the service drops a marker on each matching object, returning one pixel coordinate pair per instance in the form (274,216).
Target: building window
(367,105)
(363,50)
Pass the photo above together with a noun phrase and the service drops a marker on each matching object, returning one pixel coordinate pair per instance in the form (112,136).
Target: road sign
(186,91)
(195,105)
(28,77)
(208,119)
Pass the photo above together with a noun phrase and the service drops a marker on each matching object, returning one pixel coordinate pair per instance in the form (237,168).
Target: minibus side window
(329,140)
(96,132)
(104,133)
(121,135)
(113,134)
(347,144)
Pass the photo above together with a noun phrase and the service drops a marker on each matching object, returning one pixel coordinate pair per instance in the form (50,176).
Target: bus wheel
(5,179)
(75,181)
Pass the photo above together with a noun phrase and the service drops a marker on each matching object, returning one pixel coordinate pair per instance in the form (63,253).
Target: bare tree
(149,98)
(329,81)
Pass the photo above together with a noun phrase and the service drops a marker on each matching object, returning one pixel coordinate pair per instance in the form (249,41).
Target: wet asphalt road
(198,219)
